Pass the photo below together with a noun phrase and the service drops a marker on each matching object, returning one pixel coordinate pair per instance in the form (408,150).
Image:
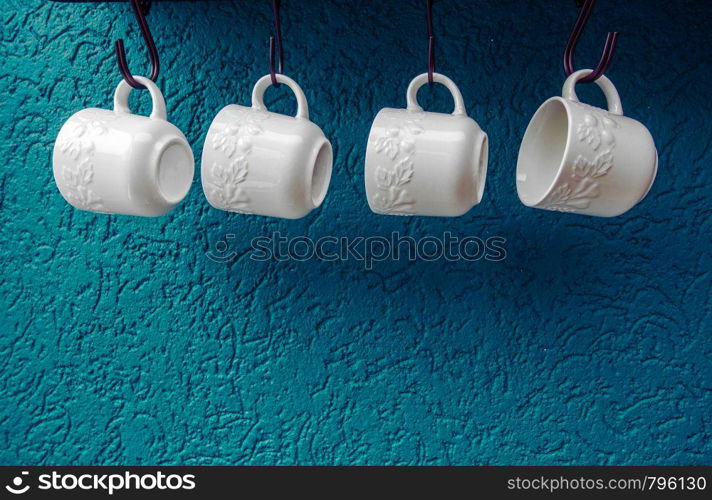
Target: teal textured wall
(121,342)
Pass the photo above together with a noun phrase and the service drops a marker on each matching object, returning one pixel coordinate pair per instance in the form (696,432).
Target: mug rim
(562,161)
(316,201)
(482,164)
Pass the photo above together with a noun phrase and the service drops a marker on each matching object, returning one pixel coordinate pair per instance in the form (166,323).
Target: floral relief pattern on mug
(235,142)
(596,130)
(397,144)
(78,169)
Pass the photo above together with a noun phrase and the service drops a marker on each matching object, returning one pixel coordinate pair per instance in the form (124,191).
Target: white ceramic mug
(115,162)
(425,163)
(259,162)
(582,159)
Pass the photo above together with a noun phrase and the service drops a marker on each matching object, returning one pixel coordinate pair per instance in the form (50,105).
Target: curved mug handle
(609,90)
(411,94)
(263,83)
(121,98)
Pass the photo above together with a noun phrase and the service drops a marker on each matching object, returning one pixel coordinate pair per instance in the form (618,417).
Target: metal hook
(576,33)
(278,33)
(140,9)
(431,41)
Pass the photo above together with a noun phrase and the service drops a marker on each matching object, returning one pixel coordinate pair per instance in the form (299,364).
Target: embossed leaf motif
(598,168)
(236,134)
(235,141)
(398,144)
(85,198)
(393,200)
(71,147)
(587,131)
(244,145)
(238,171)
(79,174)
(565,197)
(219,172)
(80,139)
(230,141)
(78,177)
(234,173)
(392,196)
(78,171)
(608,122)
(384,178)
(389,143)
(228,190)
(584,186)
(226,140)
(400,175)
(76,143)
(234,197)
(403,172)
(596,129)
(407,146)
(96,127)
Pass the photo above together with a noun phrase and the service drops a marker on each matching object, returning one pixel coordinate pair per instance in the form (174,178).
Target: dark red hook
(140,9)
(576,33)
(431,41)
(278,38)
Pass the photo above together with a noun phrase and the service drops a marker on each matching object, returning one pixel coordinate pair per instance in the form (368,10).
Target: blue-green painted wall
(121,342)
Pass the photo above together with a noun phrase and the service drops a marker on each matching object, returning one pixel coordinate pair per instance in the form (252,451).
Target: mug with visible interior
(582,159)
(115,162)
(259,162)
(425,163)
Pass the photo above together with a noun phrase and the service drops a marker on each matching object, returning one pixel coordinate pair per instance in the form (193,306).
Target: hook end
(577,31)
(140,9)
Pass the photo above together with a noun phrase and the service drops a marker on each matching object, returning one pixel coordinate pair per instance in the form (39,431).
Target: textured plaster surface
(121,342)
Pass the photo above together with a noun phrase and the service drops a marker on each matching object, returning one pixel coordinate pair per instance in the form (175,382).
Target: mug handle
(259,91)
(121,98)
(411,94)
(612,98)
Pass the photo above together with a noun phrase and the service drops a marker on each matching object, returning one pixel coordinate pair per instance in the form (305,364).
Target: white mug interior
(480,157)
(321,173)
(543,151)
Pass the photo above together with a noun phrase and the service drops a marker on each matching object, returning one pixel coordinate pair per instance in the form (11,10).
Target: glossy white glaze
(425,163)
(259,162)
(582,159)
(115,162)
